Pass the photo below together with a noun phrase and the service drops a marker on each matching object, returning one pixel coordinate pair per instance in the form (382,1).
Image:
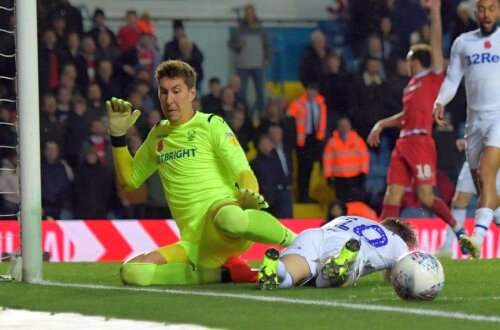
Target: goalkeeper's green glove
(121,117)
(249,199)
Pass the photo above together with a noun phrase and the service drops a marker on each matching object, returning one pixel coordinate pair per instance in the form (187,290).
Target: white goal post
(29,140)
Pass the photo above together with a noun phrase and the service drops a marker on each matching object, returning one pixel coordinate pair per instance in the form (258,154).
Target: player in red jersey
(414,157)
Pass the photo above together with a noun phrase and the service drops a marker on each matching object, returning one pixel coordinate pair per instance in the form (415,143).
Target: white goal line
(328,303)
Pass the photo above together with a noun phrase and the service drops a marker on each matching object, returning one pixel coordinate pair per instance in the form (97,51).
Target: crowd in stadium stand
(346,90)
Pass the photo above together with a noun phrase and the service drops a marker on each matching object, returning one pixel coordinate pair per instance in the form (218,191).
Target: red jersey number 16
(424,171)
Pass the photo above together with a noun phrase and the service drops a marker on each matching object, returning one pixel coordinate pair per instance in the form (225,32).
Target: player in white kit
(464,191)
(476,55)
(338,253)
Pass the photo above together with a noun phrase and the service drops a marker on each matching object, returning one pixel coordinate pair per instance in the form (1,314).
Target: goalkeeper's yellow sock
(144,274)
(253,225)
(265,228)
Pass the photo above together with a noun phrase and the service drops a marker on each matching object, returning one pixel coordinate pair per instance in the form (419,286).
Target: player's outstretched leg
(464,248)
(444,251)
(268,278)
(471,244)
(336,268)
(253,225)
(145,274)
(459,213)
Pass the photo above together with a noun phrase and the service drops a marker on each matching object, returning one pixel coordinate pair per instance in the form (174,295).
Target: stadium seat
(291,89)
(308,211)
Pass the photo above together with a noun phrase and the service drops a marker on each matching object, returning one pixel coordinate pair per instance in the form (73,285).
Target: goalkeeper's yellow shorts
(213,249)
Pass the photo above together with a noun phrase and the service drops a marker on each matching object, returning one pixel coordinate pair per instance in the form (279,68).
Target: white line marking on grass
(24,319)
(331,303)
(367,300)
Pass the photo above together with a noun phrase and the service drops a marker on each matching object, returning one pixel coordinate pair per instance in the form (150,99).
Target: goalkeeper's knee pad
(137,273)
(232,221)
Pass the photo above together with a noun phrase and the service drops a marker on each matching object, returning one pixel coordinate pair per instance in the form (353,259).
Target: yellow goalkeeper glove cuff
(121,117)
(249,199)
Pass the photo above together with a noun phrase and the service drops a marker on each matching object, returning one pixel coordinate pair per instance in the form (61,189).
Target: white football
(417,275)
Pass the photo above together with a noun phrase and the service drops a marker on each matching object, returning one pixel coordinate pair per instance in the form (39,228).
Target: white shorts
(466,184)
(482,129)
(310,245)
(307,245)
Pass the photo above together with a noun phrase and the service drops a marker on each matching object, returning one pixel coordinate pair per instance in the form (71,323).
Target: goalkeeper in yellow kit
(210,188)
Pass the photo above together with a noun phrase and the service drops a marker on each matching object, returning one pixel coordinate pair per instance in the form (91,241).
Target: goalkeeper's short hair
(177,69)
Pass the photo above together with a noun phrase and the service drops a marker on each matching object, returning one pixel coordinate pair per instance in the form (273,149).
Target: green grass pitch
(469,300)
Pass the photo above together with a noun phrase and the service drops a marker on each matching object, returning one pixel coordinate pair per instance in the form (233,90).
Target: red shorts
(413,158)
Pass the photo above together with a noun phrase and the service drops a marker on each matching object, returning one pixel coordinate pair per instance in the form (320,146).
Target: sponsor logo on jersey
(487,44)
(191,135)
(481,58)
(181,153)
(232,138)
(159,147)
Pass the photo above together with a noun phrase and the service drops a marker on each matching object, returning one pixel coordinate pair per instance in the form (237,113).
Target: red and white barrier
(118,240)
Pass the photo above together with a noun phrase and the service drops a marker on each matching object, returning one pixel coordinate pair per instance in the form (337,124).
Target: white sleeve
(454,75)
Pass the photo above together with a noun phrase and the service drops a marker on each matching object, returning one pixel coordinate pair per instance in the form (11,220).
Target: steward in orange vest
(299,109)
(309,111)
(346,160)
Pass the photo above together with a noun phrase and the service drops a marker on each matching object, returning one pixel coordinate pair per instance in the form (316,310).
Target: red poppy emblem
(487,44)
(160,146)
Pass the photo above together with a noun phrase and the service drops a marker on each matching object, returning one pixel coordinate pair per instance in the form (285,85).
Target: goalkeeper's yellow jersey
(198,162)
